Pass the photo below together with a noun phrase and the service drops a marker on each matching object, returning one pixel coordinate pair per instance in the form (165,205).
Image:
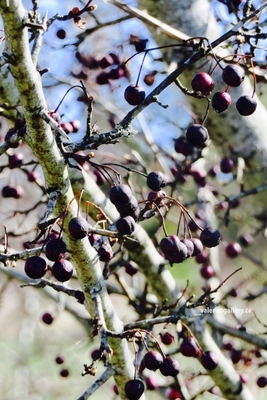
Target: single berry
(64,373)
(207,271)
(15,160)
(78,227)
(115,389)
(47,318)
(221,101)
(134,389)
(102,78)
(98,355)
(197,135)
(67,127)
(35,267)
(134,95)
(233,75)
(120,194)
(170,367)
(209,360)
(76,125)
(61,34)
(227,165)
(105,252)
(202,257)
(246,105)
(59,360)
(156,180)
(167,338)
(33,176)
(236,355)
(262,381)
(189,348)
(151,383)
(62,270)
(12,192)
(182,146)
(149,78)
(198,246)
(125,225)
(246,240)
(210,237)
(189,245)
(55,249)
(131,268)
(131,208)
(233,249)
(152,360)
(202,82)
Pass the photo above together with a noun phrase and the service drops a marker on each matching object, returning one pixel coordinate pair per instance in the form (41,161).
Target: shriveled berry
(62,270)
(134,389)
(202,82)
(233,75)
(233,249)
(134,95)
(156,180)
(138,43)
(197,135)
(170,367)
(246,105)
(209,360)
(221,101)
(35,267)
(152,360)
(55,249)
(210,237)
(78,227)
(47,318)
(120,193)
(131,208)
(126,225)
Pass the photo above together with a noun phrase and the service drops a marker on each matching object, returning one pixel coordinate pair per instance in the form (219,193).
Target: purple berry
(35,267)
(47,318)
(170,367)
(182,146)
(246,105)
(134,389)
(207,271)
(221,101)
(55,249)
(210,237)
(233,75)
(156,180)
(120,194)
(262,381)
(152,360)
(78,227)
(209,360)
(126,225)
(134,95)
(202,82)
(62,270)
(189,348)
(198,246)
(197,135)
(227,165)
(233,249)
(167,338)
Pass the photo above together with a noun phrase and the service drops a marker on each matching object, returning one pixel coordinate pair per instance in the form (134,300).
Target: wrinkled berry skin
(78,227)
(126,225)
(156,180)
